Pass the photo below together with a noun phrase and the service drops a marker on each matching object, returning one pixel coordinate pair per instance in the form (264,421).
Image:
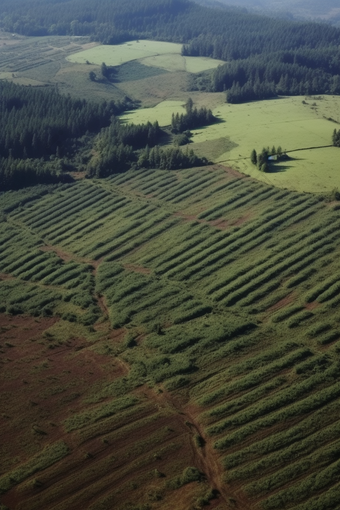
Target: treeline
(300,72)
(265,56)
(16,174)
(37,123)
(336,138)
(192,119)
(44,134)
(225,33)
(170,158)
(122,146)
(115,146)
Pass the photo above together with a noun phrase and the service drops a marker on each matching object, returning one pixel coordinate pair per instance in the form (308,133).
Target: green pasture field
(150,53)
(161,113)
(293,123)
(287,122)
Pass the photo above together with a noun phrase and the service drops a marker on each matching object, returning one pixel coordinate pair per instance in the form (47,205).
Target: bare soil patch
(65,256)
(137,269)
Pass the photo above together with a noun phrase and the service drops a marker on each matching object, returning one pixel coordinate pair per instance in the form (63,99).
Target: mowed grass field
(169,338)
(159,54)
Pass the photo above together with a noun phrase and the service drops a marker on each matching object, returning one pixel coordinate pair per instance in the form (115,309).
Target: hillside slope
(169,339)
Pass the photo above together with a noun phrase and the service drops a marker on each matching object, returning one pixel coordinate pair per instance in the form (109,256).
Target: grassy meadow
(293,123)
(158,54)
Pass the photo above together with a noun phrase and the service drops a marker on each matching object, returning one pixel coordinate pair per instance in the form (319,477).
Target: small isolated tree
(104,70)
(189,105)
(253,157)
(92,76)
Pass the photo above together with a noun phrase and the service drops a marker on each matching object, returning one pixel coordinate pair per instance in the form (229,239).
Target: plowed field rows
(169,340)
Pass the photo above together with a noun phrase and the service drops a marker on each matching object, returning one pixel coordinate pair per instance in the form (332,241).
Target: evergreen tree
(253,157)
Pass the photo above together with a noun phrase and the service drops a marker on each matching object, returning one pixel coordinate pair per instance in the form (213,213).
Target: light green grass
(161,113)
(286,122)
(121,53)
(175,62)
(151,53)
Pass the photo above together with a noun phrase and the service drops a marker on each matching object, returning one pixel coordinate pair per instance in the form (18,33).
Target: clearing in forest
(159,54)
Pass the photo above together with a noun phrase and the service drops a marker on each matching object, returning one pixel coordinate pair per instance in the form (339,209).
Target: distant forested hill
(265,56)
(298,9)
(226,34)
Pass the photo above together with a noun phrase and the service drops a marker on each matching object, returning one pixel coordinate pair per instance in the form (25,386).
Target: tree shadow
(276,168)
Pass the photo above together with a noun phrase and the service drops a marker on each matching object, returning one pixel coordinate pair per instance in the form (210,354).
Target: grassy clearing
(161,113)
(157,54)
(286,122)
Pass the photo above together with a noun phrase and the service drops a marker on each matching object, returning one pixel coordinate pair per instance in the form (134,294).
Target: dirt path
(205,458)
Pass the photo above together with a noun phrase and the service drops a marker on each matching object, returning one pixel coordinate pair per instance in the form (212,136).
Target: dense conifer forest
(44,134)
(265,56)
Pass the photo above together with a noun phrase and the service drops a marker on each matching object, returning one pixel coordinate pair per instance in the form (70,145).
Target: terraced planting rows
(209,307)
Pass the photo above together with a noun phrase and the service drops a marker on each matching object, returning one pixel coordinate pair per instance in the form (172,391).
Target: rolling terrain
(187,350)
(171,339)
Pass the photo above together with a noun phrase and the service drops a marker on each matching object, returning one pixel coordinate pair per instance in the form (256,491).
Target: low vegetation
(233,318)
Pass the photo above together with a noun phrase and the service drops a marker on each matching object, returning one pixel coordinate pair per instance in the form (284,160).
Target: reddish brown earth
(65,256)
(112,461)
(282,303)
(137,269)
(4,276)
(232,172)
(312,306)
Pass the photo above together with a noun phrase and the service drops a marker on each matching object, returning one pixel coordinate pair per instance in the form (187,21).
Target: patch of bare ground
(78,175)
(4,276)
(117,459)
(312,305)
(233,173)
(281,304)
(137,269)
(64,255)
(225,224)
(203,456)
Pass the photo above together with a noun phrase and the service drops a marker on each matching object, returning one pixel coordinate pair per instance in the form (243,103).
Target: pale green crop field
(162,112)
(152,53)
(173,62)
(286,122)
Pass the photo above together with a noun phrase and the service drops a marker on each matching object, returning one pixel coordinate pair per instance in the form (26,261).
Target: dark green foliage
(31,153)
(302,71)
(54,119)
(171,158)
(193,118)
(265,56)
